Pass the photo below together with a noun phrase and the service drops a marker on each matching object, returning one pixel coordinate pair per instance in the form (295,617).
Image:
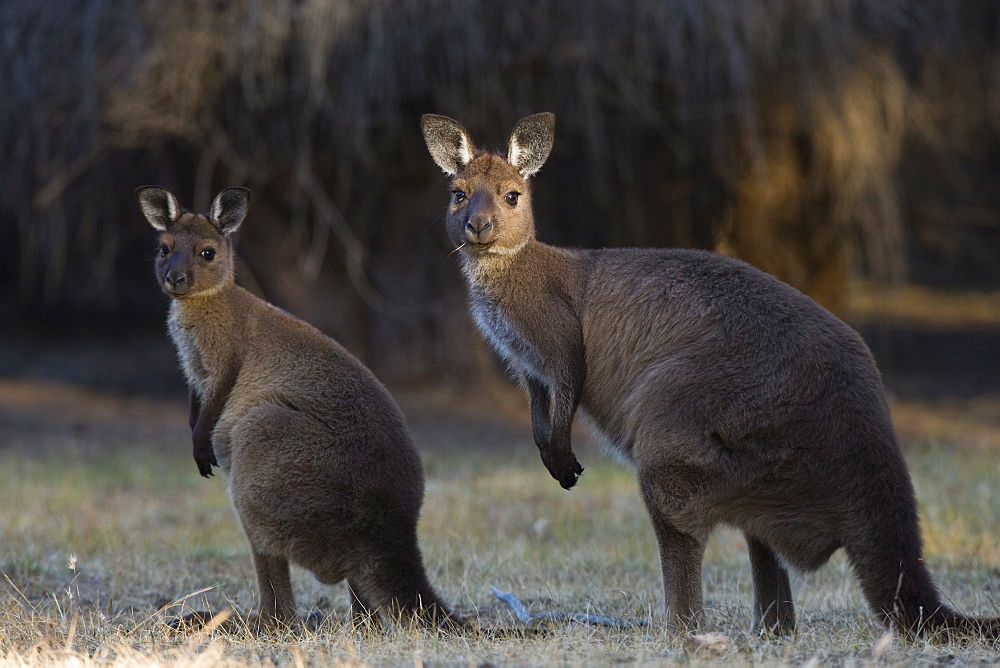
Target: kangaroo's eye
(458,196)
(163,250)
(208,254)
(511,197)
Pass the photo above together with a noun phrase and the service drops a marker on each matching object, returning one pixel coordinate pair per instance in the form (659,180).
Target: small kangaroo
(320,467)
(736,398)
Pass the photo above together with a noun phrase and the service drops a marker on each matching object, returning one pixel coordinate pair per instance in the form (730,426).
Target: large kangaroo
(320,467)
(737,399)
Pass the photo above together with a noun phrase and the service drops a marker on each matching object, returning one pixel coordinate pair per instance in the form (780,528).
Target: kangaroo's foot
(228,621)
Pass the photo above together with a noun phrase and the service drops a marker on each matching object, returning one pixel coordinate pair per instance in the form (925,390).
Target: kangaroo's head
(195,256)
(490,209)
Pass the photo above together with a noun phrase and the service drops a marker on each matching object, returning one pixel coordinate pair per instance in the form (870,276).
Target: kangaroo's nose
(478,225)
(176,278)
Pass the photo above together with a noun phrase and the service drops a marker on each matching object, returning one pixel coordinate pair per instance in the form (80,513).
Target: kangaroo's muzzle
(176,283)
(480,231)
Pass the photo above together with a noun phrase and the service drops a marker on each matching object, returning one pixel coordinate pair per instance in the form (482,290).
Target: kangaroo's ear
(159,206)
(531,142)
(448,142)
(229,208)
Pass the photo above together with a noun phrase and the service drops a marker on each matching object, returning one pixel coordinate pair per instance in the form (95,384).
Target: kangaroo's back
(713,335)
(289,361)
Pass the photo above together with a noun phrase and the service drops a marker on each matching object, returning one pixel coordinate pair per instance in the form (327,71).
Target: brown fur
(320,467)
(737,399)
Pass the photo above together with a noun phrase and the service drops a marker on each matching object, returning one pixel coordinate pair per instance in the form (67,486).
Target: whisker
(456,249)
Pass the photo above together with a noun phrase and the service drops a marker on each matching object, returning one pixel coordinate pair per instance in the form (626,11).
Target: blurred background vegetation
(833,143)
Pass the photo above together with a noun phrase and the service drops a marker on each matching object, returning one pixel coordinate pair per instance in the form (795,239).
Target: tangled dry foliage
(774,130)
(108,531)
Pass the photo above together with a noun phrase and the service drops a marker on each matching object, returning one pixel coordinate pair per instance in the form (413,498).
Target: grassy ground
(105,521)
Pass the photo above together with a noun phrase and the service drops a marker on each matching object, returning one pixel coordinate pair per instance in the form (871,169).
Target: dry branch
(522,614)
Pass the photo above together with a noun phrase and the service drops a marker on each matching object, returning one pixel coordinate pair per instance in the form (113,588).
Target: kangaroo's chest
(191,360)
(505,336)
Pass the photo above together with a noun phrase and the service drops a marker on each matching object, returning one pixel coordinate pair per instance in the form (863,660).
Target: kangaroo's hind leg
(277,602)
(773,610)
(363,613)
(681,553)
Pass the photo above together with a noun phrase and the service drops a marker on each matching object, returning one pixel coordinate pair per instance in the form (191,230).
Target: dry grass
(99,529)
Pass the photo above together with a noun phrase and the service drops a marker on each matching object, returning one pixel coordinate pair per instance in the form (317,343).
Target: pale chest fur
(503,334)
(192,363)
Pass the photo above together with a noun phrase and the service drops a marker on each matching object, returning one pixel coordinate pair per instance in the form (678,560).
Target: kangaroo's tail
(425,607)
(950,625)
(397,583)
(886,553)
(899,587)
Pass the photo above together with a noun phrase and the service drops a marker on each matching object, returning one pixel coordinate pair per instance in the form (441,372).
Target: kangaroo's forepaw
(565,470)
(204,453)
(205,459)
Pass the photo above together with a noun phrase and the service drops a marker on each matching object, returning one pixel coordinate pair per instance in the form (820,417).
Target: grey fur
(737,399)
(319,464)
(230,208)
(159,206)
(531,142)
(449,144)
